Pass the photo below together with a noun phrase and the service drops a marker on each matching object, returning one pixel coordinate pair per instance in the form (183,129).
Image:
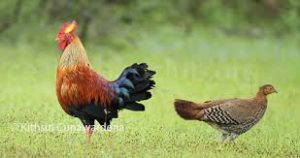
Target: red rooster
(85,94)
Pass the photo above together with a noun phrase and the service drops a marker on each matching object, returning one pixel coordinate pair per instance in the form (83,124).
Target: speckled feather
(230,116)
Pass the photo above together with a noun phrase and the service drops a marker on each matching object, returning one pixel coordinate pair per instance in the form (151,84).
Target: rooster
(85,94)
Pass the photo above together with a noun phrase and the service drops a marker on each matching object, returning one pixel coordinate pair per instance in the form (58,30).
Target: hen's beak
(56,39)
(275,91)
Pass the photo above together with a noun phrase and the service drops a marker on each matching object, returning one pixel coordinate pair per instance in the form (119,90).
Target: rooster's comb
(68,27)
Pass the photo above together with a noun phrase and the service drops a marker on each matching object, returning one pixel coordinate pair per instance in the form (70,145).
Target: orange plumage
(85,94)
(79,85)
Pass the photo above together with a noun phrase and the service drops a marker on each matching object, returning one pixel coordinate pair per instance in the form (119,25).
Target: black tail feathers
(134,85)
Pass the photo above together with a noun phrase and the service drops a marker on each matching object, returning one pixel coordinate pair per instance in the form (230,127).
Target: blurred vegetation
(119,19)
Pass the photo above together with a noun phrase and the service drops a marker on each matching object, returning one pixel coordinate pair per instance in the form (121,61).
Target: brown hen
(231,117)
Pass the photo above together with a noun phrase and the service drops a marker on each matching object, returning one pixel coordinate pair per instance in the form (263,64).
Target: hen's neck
(261,98)
(74,55)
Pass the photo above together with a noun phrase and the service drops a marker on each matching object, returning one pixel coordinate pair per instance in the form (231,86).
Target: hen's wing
(230,111)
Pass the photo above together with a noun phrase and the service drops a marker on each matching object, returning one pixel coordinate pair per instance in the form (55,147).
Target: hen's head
(65,35)
(267,89)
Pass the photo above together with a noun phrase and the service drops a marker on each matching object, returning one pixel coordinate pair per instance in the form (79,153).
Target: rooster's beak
(56,39)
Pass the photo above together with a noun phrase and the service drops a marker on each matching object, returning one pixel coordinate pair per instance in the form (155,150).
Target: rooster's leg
(107,124)
(89,132)
(104,124)
(88,124)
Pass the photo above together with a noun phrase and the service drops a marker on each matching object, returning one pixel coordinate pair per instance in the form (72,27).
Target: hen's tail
(188,110)
(133,85)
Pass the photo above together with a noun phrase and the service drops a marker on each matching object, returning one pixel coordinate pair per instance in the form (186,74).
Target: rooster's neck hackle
(74,55)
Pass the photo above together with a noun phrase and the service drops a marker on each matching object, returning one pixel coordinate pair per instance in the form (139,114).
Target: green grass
(198,67)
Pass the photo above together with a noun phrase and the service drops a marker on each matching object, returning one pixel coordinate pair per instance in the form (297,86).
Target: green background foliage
(110,19)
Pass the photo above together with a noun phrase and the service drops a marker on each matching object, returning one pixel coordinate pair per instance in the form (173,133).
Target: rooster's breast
(81,86)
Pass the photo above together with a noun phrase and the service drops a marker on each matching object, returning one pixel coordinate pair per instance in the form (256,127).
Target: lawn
(197,66)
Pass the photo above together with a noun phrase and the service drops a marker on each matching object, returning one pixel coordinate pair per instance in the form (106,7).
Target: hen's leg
(232,137)
(224,137)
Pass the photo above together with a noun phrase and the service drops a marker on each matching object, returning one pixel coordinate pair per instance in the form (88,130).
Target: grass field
(195,66)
